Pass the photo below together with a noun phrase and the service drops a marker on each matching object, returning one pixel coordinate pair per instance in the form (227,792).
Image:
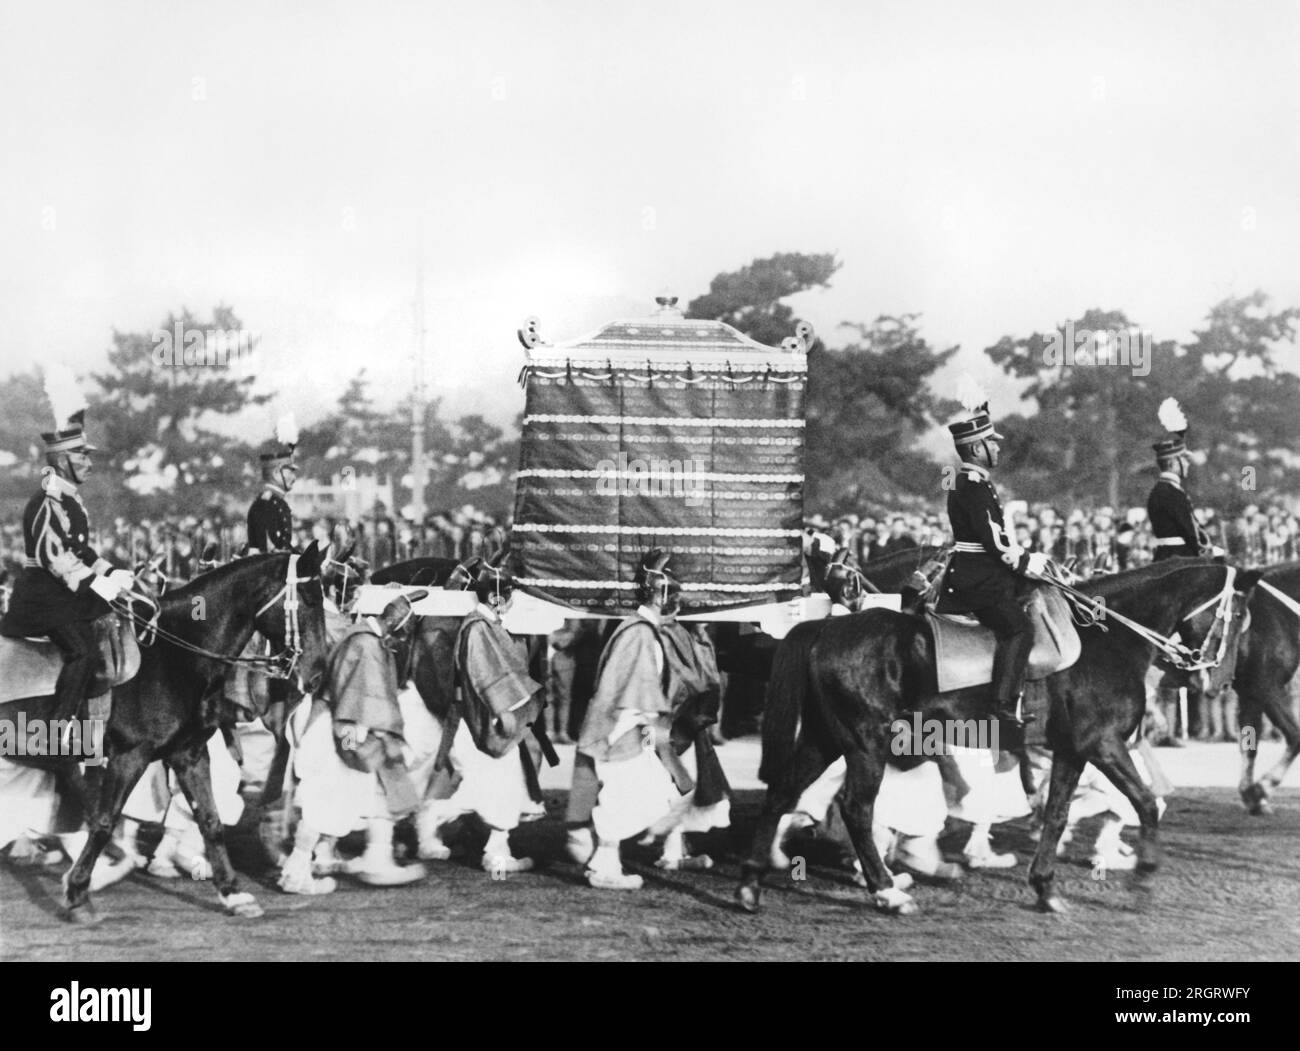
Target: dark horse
(1267,659)
(839,684)
(174,704)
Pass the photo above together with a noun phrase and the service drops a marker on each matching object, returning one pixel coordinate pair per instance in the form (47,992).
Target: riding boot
(1010,660)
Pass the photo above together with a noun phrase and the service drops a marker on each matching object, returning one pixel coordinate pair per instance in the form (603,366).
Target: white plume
(286,430)
(1171,416)
(64,392)
(971,395)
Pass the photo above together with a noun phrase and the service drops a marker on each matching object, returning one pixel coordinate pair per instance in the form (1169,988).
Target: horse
(838,686)
(1267,658)
(174,703)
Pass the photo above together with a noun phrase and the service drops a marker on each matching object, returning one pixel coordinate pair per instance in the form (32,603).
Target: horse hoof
(83,915)
(747,899)
(1053,905)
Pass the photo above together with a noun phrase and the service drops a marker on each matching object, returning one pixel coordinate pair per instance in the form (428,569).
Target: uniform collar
(1171,478)
(981,474)
(372,625)
(273,488)
(652,615)
(487,612)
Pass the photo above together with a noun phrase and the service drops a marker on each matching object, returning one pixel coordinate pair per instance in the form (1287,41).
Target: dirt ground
(1229,890)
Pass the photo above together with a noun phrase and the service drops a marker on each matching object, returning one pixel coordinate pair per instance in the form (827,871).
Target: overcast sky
(996,168)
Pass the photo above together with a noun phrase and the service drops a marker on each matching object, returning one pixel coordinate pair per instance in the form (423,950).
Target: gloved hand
(105,587)
(124,580)
(1037,566)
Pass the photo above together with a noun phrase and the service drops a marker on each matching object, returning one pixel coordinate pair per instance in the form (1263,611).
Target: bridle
(1181,657)
(280,665)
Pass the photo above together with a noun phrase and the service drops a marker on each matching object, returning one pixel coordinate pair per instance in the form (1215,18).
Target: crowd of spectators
(182,540)
(1091,542)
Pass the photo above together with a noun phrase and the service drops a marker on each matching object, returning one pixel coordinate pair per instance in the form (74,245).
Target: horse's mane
(1124,584)
(216,576)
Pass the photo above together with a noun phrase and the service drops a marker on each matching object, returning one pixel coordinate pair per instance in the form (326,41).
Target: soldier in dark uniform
(989,572)
(1173,526)
(64,586)
(270,521)
(1174,532)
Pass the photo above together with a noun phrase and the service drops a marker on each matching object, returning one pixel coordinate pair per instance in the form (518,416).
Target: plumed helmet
(69,405)
(1172,420)
(279,453)
(975,425)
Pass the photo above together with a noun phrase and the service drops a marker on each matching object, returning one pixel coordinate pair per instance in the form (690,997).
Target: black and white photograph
(557,481)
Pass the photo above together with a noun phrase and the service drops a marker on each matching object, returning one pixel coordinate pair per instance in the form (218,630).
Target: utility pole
(417,395)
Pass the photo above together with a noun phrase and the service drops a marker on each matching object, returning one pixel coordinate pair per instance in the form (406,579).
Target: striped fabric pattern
(661,432)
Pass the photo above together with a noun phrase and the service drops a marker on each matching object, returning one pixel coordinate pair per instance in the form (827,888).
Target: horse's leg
(806,765)
(1277,704)
(123,771)
(1066,768)
(861,788)
(1113,760)
(191,767)
(1250,719)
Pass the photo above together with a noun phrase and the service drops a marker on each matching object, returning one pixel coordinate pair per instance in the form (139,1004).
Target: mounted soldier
(64,586)
(1174,533)
(1174,528)
(270,520)
(989,573)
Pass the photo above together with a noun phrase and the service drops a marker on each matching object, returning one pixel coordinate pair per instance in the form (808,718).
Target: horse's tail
(784,706)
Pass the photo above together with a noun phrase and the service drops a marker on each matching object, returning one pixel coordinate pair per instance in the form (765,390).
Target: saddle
(31,667)
(963,648)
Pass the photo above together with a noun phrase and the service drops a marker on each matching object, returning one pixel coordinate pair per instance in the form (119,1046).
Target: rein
(1282,597)
(1176,653)
(286,660)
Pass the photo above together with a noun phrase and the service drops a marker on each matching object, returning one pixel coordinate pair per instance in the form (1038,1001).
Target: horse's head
(150,580)
(1203,601)
(843,583)
(293,615)
(342,572)
(1219,623)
